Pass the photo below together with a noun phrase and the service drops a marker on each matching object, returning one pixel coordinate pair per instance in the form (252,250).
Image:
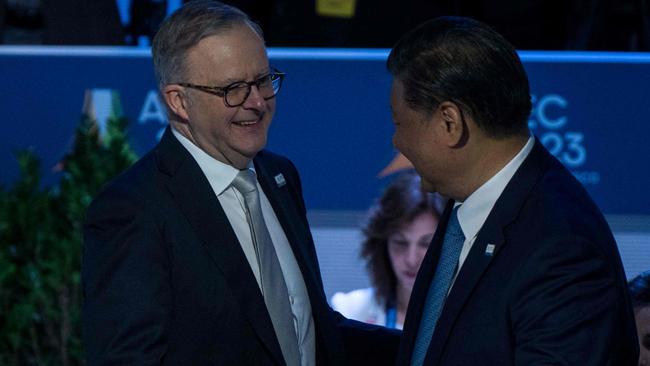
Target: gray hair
(185,28)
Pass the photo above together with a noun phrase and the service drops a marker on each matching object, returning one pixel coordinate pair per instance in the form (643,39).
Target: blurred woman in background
(397,235)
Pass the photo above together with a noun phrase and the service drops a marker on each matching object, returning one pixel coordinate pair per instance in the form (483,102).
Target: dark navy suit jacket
(553,291)
(166,282)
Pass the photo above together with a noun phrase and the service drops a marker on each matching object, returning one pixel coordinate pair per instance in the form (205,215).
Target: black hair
(466,62)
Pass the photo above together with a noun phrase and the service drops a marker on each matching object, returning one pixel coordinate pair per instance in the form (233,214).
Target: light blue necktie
(451,246)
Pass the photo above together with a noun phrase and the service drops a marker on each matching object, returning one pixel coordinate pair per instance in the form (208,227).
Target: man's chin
(427,186)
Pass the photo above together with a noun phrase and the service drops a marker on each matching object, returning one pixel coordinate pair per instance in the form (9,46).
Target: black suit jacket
(553,292)
(166,282)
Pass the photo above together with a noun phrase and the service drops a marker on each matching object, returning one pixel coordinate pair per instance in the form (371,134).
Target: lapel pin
(489,250)
(279,180)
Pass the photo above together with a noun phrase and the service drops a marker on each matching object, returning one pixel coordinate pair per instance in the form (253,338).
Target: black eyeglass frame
(219,91)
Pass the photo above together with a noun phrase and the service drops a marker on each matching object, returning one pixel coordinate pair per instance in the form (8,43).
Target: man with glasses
(201,254)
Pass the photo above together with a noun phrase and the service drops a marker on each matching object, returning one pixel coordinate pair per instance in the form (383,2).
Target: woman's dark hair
(402,201)
(640,290)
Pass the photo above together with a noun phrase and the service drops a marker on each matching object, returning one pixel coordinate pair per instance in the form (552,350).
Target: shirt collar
(219,174)
(476,208)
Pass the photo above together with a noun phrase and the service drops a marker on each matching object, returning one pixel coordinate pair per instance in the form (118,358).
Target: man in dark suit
(523,269)
(201,254)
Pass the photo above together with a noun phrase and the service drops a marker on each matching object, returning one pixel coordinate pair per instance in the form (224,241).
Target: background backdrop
(591,110)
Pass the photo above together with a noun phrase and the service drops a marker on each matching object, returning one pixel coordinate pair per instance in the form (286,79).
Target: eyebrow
(231,81)
(397,235)
(428,237)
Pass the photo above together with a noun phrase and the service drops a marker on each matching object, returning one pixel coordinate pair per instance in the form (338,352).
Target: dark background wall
(530,25)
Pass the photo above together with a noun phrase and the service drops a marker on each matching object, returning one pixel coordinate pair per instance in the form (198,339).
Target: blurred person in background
(640,292)
(396,237)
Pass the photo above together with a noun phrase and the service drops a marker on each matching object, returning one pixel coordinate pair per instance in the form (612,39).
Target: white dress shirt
(476,208)
(220,176)
(361,305)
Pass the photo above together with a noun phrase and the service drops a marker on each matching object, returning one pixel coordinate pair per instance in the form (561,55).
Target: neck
(403,295)
(484,159)
(239,161)
(402,301)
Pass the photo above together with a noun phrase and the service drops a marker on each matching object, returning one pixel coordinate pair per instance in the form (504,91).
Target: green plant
(40,246)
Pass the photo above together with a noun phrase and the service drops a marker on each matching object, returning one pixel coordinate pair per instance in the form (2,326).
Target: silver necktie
(274,289)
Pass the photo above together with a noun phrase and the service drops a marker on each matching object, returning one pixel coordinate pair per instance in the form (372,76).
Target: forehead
(424,220)
(236,54)
(399,107)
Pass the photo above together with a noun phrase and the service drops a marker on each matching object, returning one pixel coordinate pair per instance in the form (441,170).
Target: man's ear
(452,123)
(176,98)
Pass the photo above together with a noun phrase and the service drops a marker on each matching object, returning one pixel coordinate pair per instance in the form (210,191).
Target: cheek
(421,253)
(396,139)
(268,117)
(400,141)
(395,256)
(214,120)
(269,112)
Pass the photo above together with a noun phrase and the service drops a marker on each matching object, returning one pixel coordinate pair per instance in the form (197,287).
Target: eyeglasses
(236,93)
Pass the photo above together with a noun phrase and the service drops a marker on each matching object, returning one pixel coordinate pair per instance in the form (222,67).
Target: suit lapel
(421,288)
(505,210)
(282,202)
(210,223)
(282,197)
(475,264)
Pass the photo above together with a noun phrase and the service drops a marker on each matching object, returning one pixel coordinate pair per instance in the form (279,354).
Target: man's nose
(255,99)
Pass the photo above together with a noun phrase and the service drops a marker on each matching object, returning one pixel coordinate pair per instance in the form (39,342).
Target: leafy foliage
(40,247)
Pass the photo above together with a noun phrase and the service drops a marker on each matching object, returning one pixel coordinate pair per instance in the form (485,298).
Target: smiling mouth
(246,123)
(249,122)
